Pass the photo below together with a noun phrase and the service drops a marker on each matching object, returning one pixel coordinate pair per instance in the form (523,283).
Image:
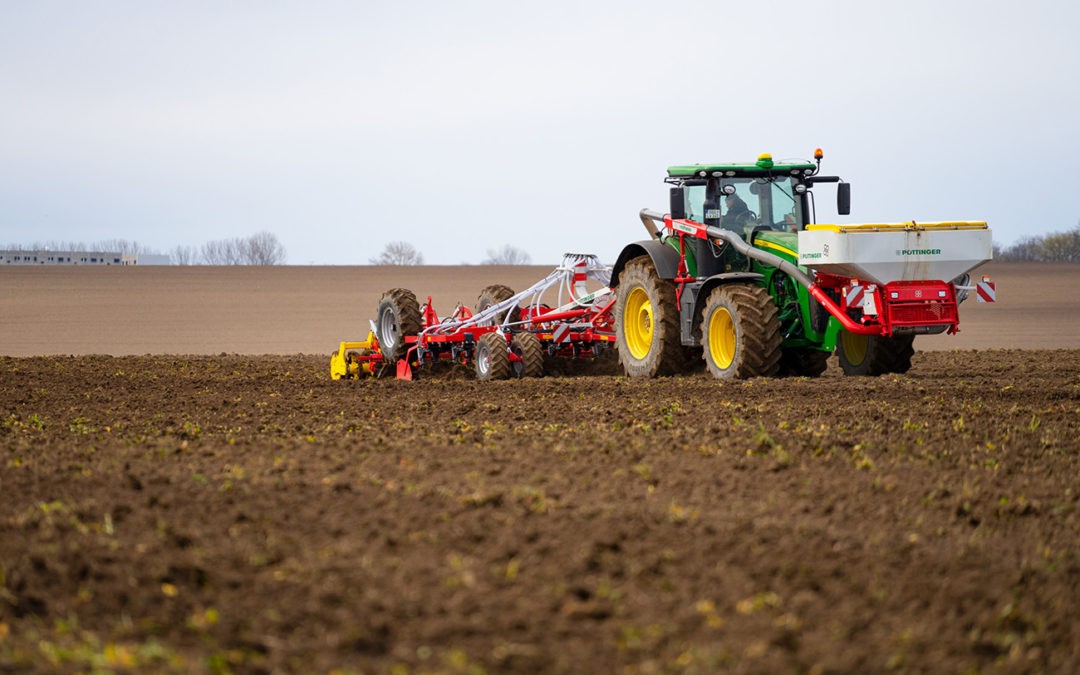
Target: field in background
(290,310)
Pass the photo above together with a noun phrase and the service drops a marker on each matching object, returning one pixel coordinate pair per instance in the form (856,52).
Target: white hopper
(896,251)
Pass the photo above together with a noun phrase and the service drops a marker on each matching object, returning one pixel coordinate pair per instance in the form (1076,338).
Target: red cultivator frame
(508,334)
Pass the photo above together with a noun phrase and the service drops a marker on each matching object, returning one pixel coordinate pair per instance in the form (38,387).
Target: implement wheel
(647,322)
(740,332)
(493,295)
(491,359)
(874,355)
(398,316)
(528,347)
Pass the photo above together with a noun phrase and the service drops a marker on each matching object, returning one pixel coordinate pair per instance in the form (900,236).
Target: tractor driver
(738,213)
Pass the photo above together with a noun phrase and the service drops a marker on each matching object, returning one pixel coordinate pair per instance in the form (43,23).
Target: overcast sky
(464,126)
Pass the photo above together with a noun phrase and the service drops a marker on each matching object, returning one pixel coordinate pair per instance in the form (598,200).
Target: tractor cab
(745,198)
(765,203)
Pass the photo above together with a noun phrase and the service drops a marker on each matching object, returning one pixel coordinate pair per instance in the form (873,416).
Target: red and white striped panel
(986,291)
(561,334)
(855,296)
(579,289)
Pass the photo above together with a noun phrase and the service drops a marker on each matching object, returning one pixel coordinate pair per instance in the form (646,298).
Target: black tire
(398,317)
(491,358)
(873,355)
(803,362)
(493,295)
(527,346)
(647,322)
(740,332)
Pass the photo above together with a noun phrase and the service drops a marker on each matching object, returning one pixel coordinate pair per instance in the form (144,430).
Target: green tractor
(738,274)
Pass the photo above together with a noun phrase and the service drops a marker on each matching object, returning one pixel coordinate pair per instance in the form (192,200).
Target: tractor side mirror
(678,203)
(843,199)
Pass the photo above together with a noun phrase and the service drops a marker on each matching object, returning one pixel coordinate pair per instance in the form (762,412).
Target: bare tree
(507,255)
(1054,247)
(263,248)
(184,255)
(123,247)
(1061,246)
(219,252)
(398,253)
(54,245)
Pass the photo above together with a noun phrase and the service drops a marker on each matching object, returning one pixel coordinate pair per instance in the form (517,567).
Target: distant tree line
(404,253)
(1048,248)
(398,253)
(261,248)
(121,246)
(507,255)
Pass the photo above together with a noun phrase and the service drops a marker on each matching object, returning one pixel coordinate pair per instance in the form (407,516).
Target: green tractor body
(722,280)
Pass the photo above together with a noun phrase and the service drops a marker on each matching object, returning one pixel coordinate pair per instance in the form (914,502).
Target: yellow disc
(722,338)
(855,346)
(638,323)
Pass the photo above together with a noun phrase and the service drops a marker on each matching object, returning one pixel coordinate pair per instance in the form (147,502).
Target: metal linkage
(569,277)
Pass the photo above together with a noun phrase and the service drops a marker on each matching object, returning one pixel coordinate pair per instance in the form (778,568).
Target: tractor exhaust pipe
(647,218)
(650,218)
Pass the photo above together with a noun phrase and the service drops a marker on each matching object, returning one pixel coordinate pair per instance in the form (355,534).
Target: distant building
(79,258)
(145,259)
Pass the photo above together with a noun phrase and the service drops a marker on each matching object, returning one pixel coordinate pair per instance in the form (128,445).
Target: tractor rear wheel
(740,332)
(493,295)
(803,362)
(491,359)
(398,317)
(527,346)
(874,355)
(647,322)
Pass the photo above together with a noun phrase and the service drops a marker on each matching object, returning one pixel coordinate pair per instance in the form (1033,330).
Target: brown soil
(248,514)
(309,310)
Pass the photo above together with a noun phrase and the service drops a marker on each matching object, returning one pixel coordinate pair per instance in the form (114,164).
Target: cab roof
(761,167)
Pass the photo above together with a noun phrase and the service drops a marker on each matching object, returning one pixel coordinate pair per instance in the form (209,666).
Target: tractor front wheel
(647,322)
(740,332)
(873,354)
(491,359)
(398,316)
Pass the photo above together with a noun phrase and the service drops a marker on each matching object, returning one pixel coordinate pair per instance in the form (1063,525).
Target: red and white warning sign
(855,294)
(862,297)
(986,291)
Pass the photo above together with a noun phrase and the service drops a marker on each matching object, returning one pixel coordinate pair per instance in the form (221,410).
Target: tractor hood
(910,251)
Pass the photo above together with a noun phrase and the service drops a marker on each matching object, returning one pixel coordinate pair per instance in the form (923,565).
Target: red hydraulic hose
(849,324)
(559,316)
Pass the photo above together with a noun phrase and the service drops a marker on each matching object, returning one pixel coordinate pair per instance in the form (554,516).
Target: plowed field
(245,513)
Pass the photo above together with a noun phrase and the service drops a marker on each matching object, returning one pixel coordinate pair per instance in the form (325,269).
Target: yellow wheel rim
(638,323)
(855,347)
(721,338)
